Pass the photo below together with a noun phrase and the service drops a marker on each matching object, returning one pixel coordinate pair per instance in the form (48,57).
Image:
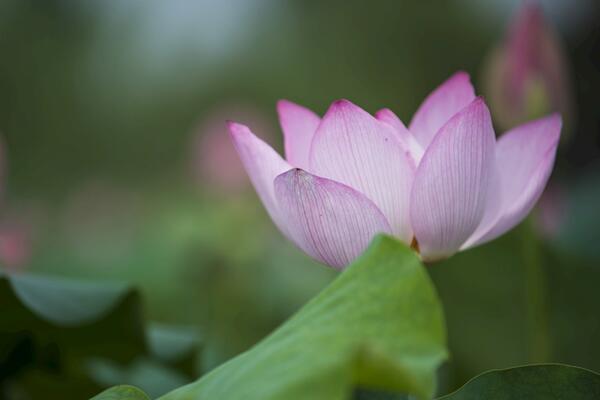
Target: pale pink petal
(446,100)
(352,147)
(493,209)
(408,140)
(299,125)
(450,189)
(525,157)
(330,221)
(262,164)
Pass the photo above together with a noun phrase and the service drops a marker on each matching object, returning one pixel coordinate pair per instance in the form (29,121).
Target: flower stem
(536,297)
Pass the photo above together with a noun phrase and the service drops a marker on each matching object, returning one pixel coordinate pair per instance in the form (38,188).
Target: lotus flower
(15,245)
(527,76)
(442,185)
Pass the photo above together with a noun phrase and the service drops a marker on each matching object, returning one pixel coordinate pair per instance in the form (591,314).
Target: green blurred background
(117,164)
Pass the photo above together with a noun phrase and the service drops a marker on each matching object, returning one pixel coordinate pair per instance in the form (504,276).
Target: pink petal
(330,221)
(408,140)
(352,147)
(262,164)
(525,157)
(299,125)
(446,100)
(450,190)
(493,209)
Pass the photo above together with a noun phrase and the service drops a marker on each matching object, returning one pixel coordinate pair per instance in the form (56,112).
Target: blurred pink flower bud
(15,230)
(214,160)
(14,248)
(442,185)
(527,75)
(16,236)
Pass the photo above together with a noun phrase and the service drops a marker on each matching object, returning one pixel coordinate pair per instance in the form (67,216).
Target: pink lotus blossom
(527,75)
(19,228)
(443,184)
(15,245)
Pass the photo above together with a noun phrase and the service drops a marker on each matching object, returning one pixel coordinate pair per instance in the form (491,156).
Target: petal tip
(476,106)
(283,104)
(460,75)
(445,101)
(239,133)
(235,128)
(479,100)
(383,113)
(341,106)
(292,173)
(344,106)
(342,102)
(549,126)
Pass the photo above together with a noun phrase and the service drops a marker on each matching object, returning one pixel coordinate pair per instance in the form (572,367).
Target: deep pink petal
(330,221)
(446,100)
(352,147)
(408,140)
(262,164)
(450,189)
(299,125)
(525,157)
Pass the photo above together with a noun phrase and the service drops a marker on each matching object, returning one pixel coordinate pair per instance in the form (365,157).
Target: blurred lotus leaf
(532,382)
(154,377)
(52,327)
(122,392)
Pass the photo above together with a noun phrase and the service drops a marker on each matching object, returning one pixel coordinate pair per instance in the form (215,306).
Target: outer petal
(450,190)
(493,209)
(328,220)
(299,125)
(263,164)
(410,143)
(352,147)
(445,101)
(525,157)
